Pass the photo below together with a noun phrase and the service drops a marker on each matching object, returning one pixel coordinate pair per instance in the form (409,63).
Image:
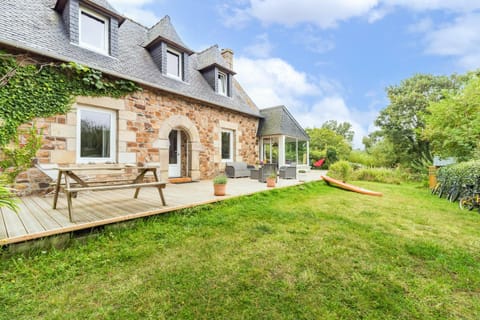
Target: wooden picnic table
(71,190)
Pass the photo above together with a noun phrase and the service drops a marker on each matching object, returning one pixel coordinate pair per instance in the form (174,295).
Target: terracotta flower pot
(271,182)
(219,189)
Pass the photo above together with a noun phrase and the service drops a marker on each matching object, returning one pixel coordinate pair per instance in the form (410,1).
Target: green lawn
(307,252)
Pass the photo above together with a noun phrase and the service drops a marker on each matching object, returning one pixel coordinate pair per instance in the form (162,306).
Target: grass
(307,252)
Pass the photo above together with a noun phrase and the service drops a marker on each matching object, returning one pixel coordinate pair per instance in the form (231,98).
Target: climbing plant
(17,156)
(30,88)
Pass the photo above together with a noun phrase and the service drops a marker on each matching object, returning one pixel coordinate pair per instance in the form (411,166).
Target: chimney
(227,55)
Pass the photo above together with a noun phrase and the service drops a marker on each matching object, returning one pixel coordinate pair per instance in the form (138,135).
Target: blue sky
(326,59)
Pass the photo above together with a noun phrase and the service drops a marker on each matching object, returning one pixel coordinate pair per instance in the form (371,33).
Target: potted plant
(271,180)
(219,185)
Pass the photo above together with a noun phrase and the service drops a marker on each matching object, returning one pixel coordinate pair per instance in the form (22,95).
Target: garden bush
(460,173)
(383,175)
(341,170)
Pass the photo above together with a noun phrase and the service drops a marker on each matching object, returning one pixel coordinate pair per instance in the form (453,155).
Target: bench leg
(69,201)
(136,193)
(57,190)
(161,195)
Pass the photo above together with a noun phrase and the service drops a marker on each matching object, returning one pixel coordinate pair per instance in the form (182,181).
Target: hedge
(461,173)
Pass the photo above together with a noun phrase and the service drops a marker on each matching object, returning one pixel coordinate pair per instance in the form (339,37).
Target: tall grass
(383,175)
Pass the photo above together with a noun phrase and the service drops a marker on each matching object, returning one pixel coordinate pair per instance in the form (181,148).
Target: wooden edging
(131,216)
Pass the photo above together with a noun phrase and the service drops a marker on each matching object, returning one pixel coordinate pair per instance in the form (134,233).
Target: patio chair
(288,172)
(237,169)
(266,170)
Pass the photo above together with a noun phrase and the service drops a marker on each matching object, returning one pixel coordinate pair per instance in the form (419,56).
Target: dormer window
(222,83)
(93,31)
(174,63)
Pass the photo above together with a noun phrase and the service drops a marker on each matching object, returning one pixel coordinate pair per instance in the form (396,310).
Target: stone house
(191,117)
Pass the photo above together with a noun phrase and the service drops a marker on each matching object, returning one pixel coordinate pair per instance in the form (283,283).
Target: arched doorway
(179,147)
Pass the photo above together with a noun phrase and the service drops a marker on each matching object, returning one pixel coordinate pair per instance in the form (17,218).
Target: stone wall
(143,119)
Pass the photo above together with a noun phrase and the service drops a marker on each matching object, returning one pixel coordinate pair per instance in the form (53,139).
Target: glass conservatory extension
(284,150)
(282,140)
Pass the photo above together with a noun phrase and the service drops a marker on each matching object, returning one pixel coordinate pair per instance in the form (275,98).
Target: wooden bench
(79,185)
(71,192)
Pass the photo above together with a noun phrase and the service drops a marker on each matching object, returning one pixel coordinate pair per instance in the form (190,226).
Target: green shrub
(383,175)
(17,157)
(361,157)
(340,170)
(460,173)
(220,179)
(7,199)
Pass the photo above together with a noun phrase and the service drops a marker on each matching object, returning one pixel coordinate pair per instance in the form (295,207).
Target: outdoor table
(68,172)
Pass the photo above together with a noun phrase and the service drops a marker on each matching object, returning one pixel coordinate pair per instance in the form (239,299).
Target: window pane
(95,134)
(270,150)
(92,31)
(222,84)
(302,152)
(226,152)
(172,151)
(266,150)
(173,64)
(274,150)
(290,151)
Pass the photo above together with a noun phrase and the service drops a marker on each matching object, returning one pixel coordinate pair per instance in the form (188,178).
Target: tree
(381,149)
(402,122)
(453,124)
(344,129)
(323,140)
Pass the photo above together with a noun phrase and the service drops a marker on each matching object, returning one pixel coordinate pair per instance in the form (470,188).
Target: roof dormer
(216,67)
(167,50)
(91,24)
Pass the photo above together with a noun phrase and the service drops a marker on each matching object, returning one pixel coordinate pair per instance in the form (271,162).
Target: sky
(326,59)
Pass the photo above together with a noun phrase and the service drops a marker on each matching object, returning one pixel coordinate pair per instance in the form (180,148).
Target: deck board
(13,223)
(37,218)
(31,223)
(3,227)
(46,205)
(40,214)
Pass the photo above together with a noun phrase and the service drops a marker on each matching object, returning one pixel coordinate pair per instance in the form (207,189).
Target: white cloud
(234,17)
(325,14)
(424,25)
(261,48)
(328,14)
(273,81)
(459,39)
(135,10)
(315,42)
(428,5)
(378,13)
(335,108)
(311,101)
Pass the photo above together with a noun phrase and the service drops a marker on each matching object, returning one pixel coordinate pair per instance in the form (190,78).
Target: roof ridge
(165,30)
(159,21)
(209,48)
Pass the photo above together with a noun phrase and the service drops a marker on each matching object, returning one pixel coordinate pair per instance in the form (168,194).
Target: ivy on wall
(31,89)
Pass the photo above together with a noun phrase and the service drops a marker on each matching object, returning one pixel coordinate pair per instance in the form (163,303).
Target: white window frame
(232,151)
(106,31)
(113,135)
(222,83)
(180,64)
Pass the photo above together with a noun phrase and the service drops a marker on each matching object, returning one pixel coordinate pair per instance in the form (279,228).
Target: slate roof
(279,121)
(34,25)
(102,5)
(211,57)
(164,30)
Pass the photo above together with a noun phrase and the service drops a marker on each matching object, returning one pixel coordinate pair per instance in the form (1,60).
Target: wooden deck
(36,218)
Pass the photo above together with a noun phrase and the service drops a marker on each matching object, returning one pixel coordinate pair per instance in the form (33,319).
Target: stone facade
(144,120)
